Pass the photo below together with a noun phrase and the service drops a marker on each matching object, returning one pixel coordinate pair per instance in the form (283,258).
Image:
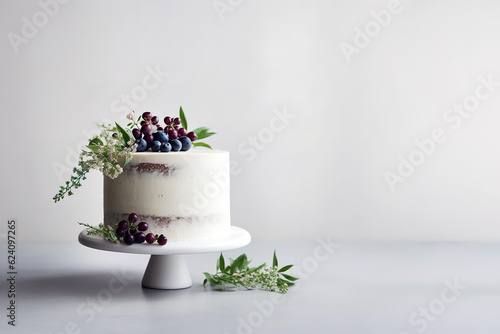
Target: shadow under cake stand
(167,267)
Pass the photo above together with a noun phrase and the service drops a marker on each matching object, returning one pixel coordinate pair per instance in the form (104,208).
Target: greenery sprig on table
(238,273)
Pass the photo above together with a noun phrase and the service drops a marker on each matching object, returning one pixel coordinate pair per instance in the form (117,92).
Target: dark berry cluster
(132,233)
(152,135)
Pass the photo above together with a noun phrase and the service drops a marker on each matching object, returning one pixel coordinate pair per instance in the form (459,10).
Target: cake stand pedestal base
(159,271)
(167,268)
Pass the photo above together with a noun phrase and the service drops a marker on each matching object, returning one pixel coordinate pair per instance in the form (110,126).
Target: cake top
(192,151)
(117,145)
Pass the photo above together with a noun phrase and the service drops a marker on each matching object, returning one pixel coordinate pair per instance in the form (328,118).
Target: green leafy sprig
(105,231)
(134,124)
(108,152)
(201,132)
(238,273)
(79,174)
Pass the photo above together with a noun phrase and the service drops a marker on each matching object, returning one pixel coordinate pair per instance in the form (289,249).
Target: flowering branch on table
(237,273)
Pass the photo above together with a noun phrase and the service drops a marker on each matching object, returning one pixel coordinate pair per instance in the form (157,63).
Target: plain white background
(233,65)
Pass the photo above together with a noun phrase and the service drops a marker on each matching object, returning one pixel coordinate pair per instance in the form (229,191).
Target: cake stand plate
(167,268)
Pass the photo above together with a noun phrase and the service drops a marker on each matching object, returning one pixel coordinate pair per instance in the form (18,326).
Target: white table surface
(358,288)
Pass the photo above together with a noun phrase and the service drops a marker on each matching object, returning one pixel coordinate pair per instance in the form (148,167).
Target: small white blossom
(131,115)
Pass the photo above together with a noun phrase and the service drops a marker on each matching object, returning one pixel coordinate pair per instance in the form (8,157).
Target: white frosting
(183,195)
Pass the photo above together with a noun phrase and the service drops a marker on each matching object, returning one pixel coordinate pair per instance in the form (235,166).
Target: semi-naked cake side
(183,195)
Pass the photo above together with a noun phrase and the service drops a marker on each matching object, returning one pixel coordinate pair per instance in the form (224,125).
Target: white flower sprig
(109,153)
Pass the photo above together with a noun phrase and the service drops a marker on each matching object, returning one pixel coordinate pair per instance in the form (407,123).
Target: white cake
(183,195)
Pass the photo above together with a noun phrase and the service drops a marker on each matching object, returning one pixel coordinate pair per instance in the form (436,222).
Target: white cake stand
(167,268)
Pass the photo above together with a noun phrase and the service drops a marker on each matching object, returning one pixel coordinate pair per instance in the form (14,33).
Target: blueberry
(155,146)
(176,145)
(161,136)
(186,143)
(166,147)
(141,145)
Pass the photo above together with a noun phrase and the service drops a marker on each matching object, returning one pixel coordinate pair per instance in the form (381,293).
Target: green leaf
(237,264)
(210,279)
(221,264)
(96,141)
(275,260)
(183,118)
(244,265)
(94,148)
(199,130)
(126,162)
(205,134)
(281,281)
(251,270)
(285,268)
(126,136)
(205,281)
(202,144)
(290,278)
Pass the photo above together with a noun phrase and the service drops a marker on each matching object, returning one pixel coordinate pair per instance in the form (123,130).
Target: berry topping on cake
(147,127)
